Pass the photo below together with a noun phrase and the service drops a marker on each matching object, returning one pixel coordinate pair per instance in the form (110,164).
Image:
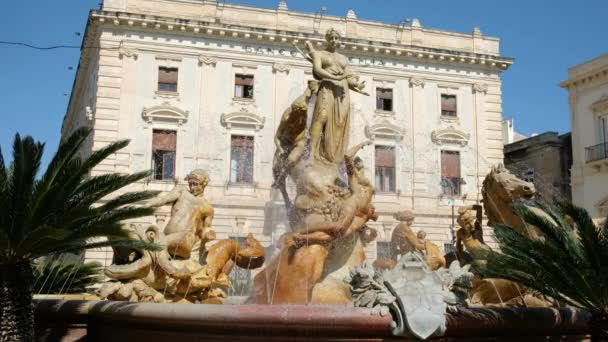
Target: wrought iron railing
(450,186)
(596,152)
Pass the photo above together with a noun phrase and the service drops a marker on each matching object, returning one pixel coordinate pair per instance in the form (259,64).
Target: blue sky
(544,36)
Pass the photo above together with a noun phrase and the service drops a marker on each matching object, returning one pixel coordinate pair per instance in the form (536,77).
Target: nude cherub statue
(404,240)
(470,234)
(191,215)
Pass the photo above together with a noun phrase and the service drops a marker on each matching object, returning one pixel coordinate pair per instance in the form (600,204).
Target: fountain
(320,261)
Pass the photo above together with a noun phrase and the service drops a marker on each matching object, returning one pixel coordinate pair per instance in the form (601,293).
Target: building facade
(587,86)
(545,160)
(203,84)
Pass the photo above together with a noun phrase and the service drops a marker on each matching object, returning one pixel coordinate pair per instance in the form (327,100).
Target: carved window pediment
(243,119)
(384,130)
(452,135)
(165,113)
(600,107)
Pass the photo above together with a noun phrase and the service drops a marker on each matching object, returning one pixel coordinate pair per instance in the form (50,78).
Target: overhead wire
(53,47)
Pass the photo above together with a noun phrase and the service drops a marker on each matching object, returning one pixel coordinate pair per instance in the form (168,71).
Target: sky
(545,37)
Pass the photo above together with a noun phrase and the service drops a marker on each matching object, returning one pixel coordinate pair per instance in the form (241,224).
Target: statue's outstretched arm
(167,198)
(352,152)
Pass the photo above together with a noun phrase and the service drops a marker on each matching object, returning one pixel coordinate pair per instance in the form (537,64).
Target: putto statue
(171,274)
(403,241)
(333,196)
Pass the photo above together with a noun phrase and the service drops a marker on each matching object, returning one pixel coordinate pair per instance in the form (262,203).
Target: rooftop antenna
(318,18)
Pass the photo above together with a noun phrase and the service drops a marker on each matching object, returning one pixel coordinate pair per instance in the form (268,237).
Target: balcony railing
(450,186)
(596,152)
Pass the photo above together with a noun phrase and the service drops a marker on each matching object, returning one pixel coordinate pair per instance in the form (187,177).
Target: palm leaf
(58,277)
(24,167)
(568,263)
(61,211)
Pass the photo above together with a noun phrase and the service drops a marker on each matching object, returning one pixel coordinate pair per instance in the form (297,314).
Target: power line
(40,47)
(54,47)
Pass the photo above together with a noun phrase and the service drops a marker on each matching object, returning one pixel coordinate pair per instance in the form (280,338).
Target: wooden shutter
(448,103)
(385,156)
(450,164)
(242,141)
(167,75)
(383,93)
(246,80)
(164,140)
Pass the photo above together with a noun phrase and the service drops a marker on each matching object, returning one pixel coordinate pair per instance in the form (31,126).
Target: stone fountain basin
(70,320)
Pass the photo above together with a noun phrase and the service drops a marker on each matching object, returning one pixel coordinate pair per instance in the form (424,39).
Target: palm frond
(96,188)
(24,167)
(128,198)
(52,185)
(61,211)
(567,263)
(588,234)
(59,277)
(114,242)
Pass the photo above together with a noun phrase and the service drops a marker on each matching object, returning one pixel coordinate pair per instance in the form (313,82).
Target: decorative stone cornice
(202,59)
(586,79)
(128,52)
(281,67)
(384,130)
(244,119)
(480,88)
(451,135)
(222,30)
(600,107)
(165,112)
(416,82)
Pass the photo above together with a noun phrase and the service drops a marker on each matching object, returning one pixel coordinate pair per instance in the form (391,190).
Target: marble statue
(329,131)
(290,139)
(332,203)
(500,190)
(403,241)
(170,274)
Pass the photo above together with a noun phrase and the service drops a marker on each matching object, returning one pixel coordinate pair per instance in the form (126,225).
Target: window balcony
(596,152)
(451,186)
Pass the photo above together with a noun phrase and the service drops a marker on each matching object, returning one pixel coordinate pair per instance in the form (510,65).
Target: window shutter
(164,140)
(246,80)
(448,103)
(242,141)
(385,156)
(450,164)
(167,75)
(383,93)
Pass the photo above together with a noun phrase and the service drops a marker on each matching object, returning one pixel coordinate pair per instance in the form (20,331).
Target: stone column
(479,91)
(417,108)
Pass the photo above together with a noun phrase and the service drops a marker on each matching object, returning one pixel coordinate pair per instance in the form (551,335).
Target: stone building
(587,86)
(545,160)
(203,84)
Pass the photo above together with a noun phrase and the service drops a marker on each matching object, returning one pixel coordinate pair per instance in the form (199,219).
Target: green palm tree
(570,264)
(59,277)
(57,213)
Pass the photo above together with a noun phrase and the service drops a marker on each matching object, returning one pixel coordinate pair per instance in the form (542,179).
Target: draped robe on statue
(332,108)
